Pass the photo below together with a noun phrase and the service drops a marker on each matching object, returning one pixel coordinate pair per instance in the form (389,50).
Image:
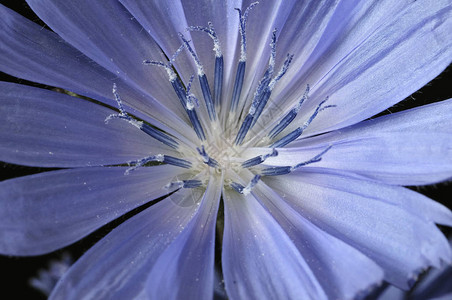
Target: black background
(15,272)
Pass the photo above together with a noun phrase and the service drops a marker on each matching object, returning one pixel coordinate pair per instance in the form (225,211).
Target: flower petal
(259,259)
(120,262)
(49,129)
(373,218)
(163,21)
(435,284)
(413,147)
(43,212)
(186,269)
(108,34)
(342,271)
(384,58)
(33,53)
(225,20)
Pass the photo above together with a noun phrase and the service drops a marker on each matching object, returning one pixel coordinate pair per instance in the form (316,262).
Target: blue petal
(373,218)
(49,129)
(119,264)
(413,147)
(36,54)
(163,21)
(342,271)
(387,51)
(259,260)
(186,269)
(43,212)
(105,32)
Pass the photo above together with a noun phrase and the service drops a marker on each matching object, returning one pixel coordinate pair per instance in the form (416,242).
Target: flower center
(229,129)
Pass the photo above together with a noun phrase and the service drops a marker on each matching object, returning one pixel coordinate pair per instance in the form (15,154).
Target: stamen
(258,159)
(259,94)
(243,18)
(246,125)
(205,157)
(288,138)
(238,84)
(271,85)
(192,115)
(156,134)
(186,184)
(219,64)
(246,190)
(211,32)
(171,160)
(218,80)
(191,98)
(289,117)
(298,131)
(202,80)
(180,91)
(168,66)
(260,100)
(274,171)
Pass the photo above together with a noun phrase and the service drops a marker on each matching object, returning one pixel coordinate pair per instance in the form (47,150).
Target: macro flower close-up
(246,142)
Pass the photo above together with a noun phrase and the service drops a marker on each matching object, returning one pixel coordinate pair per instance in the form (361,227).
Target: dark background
(15,272)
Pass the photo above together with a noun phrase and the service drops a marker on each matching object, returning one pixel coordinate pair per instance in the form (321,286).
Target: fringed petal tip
(362,294)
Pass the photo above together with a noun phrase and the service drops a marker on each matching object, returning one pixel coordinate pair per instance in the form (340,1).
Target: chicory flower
(268,133)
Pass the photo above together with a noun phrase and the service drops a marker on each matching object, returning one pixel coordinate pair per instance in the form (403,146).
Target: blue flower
(267,133)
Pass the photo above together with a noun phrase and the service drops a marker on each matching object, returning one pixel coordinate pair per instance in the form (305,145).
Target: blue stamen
(288,138)
(178,162)
(238,84)
(275,171)
(202,80)
(298,131)
(244,129)
(258,159)
(316,112)
(316,158)
(193,116)
(219,64)
(186,184)
(190,184)
(196,124)
(246,190)
(218,80)
(181,92)
(207,160)
(159,135)
(191,99)
(243,18)
(260,96)
(237,187)
(269,89)
(207,97)
(260,106)
(156,134)
(211,32)
(171,160)
(289,117)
